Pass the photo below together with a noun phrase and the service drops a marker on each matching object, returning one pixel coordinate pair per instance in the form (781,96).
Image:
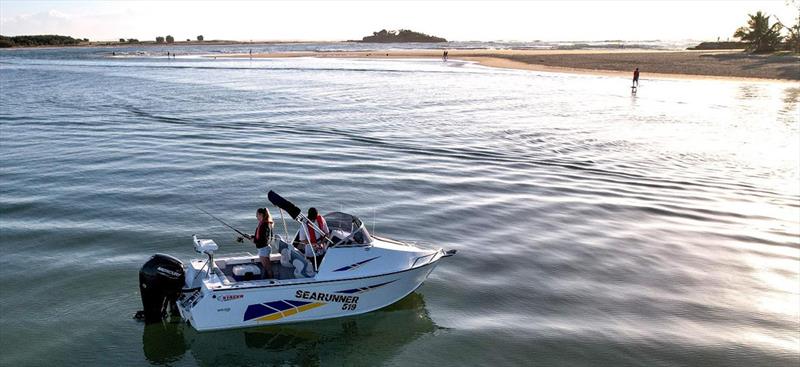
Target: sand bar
(653,64)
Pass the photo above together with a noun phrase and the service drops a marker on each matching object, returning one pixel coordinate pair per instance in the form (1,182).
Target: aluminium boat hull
(303,300)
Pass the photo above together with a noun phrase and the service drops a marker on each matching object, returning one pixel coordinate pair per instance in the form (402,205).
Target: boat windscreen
(347,227)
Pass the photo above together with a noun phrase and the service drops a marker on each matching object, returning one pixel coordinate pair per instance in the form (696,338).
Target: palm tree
(793,39)
(759,34)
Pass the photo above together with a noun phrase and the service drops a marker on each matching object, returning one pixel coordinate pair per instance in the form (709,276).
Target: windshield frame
(354,231)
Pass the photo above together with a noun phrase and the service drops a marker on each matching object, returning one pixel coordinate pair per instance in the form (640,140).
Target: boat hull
(299,301)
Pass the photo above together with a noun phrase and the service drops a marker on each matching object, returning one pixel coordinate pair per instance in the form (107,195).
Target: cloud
(48,22)
(105,26)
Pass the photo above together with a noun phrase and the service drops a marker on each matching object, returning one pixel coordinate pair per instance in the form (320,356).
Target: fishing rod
(245,235)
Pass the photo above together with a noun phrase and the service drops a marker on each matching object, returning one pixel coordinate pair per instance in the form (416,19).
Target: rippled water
(594,227)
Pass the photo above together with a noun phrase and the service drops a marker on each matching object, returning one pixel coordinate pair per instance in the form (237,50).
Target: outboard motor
(160,282)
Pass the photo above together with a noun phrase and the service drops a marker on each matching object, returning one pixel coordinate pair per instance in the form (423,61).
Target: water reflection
(749,91)
(163,343)
(360,340)
(790,99)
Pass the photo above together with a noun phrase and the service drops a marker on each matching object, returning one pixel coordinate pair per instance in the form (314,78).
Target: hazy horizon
(340,21)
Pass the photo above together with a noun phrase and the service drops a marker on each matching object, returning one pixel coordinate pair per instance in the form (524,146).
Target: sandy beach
(653,64)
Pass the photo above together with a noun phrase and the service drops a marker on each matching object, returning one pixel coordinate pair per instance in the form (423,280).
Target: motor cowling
(160,282)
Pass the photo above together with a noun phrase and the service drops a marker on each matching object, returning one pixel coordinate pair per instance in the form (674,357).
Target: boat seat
(291,258)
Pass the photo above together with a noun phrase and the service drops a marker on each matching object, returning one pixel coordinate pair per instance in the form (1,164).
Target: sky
(343,20)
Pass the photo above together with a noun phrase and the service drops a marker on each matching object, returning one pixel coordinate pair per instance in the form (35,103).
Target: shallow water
(594,227)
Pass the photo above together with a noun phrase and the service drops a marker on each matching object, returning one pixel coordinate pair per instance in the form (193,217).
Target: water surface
(594,227)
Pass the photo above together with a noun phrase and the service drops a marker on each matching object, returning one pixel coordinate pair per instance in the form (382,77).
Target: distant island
(403,35)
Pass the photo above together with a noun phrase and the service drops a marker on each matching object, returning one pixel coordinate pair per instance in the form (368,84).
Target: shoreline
(694,64)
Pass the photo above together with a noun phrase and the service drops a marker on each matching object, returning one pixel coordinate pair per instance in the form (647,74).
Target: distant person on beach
(251,53)
(444,56)
(636,77)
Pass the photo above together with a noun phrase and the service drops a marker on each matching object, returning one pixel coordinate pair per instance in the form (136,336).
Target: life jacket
(312,234)
(263,228)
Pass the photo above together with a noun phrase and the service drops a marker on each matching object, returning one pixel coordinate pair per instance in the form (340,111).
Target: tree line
(170,39)
(39,40)
(402,35)
(56,40)
(763,37)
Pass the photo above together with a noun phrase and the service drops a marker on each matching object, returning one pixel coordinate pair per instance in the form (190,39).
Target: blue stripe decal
(356,265)
(268,309)
(364,289)
(295,303)
(256,310)
(279,305)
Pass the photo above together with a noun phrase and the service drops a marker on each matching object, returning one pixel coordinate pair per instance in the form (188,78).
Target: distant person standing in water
(251,54)
(636,77)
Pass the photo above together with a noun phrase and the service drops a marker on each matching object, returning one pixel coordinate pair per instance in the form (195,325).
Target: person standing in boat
(317,240)
(261,239)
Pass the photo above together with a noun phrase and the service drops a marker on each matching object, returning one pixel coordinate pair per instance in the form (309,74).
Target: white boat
(359,273)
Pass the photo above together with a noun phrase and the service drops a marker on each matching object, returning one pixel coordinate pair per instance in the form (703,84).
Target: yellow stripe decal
(275,314)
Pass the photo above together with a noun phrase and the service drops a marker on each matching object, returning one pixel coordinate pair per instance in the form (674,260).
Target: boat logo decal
(364,289)
(356,265)
(327,297)
(230,297)
(169,273)
(275,310)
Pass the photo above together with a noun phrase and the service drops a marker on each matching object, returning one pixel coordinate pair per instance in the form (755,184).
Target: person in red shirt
(636,77)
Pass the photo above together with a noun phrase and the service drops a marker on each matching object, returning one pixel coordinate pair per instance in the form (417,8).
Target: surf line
(325,297)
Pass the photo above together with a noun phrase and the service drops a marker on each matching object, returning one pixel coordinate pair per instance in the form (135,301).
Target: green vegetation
(39,40)
(761,36)
(159,39)
(170,39)
(793,39)
(403,35)
(200,38)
